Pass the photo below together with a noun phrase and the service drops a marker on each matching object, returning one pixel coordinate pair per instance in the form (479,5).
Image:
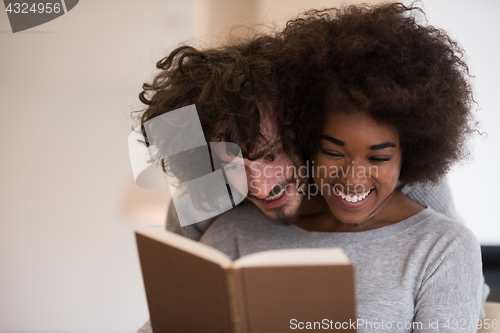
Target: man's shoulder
(246,219)
(436,196)
(246,211)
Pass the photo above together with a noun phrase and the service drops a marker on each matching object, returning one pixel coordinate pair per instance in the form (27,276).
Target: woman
(378,61)
(397,107)
(377,98)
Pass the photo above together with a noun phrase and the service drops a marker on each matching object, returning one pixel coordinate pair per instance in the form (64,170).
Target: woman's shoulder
(436,227)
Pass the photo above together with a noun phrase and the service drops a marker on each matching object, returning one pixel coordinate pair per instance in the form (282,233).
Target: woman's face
(357,166)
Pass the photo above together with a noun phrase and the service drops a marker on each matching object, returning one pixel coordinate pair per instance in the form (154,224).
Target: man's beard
(279,216)
(283,219)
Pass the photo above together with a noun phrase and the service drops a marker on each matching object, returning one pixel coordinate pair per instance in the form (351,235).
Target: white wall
(67,253)
(476,185)
(277,12)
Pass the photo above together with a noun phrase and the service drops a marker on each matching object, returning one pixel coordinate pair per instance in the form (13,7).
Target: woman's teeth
(277,196)
(352,198)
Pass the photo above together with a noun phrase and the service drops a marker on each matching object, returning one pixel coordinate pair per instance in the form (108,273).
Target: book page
(294,257)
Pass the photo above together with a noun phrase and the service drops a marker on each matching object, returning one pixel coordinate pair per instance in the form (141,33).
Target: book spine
(236,301)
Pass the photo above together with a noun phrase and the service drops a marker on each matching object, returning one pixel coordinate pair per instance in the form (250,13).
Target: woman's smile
(351,200)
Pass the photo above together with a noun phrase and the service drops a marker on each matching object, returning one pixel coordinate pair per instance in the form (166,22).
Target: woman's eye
(332,154)
(380,159)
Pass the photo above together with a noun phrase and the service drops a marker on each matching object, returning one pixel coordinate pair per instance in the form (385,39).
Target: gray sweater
(437,197)
(422,274)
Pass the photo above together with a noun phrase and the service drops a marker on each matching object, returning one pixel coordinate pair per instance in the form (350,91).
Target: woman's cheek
(324,171)
(389,173)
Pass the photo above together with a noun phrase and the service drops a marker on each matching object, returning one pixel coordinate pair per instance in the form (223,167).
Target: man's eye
(233,166)
(214,138)
(232,150)
(272,157)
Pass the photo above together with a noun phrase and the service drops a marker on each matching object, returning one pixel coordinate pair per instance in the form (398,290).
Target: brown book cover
(191,287)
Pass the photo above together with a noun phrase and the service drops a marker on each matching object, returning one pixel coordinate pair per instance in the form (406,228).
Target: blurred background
(68,202)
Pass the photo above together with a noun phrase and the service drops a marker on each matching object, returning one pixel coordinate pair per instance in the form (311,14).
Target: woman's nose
(354,174)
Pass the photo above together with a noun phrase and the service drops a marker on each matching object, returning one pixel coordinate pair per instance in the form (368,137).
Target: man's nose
(260,178)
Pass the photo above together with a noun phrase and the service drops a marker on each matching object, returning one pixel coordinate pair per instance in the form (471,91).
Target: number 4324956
(22,8)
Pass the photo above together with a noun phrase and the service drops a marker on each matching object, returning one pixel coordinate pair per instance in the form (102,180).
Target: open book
(191,287)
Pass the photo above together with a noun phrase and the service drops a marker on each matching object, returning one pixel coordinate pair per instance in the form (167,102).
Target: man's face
(271,179)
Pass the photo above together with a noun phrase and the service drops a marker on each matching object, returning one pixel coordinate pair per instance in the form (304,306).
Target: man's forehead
(268,140)
(264,146)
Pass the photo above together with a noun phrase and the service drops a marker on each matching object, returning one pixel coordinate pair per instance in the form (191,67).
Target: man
(218,82)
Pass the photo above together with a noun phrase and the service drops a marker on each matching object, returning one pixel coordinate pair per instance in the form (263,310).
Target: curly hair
(382,61)
(233,87)
(227,85)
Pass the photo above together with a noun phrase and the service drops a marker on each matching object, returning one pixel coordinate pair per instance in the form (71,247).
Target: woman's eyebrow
(382,146)
(332,140)
(372,147)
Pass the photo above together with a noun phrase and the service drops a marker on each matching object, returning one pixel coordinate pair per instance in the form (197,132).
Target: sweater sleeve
(450,296)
